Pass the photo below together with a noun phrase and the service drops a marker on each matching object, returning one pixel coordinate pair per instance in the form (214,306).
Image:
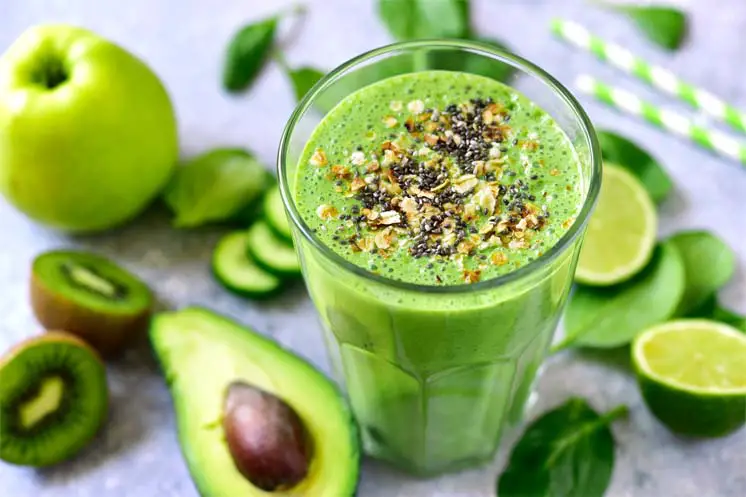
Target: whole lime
(88,135)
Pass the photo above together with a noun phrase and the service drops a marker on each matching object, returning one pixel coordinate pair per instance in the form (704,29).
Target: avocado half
(201,353)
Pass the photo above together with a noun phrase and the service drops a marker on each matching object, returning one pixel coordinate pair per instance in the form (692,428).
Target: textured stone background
(183,40)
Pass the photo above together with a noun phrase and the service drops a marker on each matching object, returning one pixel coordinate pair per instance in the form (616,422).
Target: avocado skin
(207,486)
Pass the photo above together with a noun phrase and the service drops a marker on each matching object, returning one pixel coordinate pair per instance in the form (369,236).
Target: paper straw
(656,76)
(630,103)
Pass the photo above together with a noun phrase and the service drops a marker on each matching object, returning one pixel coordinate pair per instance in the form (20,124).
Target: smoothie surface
(438,178)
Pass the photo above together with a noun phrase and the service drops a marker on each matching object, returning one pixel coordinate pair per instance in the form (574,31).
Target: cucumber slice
(237,272)
(274,213)
(270,251)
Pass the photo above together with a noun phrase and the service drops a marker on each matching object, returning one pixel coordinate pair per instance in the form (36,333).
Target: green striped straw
(654,75)
(630,103)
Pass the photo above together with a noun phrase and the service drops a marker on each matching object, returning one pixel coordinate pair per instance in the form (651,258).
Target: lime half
(692,375)
(621,232)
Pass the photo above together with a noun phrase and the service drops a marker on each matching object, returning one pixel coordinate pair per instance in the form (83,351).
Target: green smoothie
(437,182)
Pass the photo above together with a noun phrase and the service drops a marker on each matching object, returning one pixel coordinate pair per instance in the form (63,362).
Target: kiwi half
(53,399)
(89,296)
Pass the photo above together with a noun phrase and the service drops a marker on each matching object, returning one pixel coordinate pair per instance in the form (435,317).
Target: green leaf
(665,26)
(612,316)
(473,63)
(712,309)
(215,186)
(621,151)
(567,452)
(708,265)
(247,52)
(415,19)
(303,80)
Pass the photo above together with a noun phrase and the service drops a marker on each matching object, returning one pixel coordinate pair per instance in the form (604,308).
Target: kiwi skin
(109,334)
(75,446)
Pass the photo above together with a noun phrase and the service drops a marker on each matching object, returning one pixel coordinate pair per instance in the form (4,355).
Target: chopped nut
(487,116)
(494,152)
(415,190)
(472,276)
(465,183)
(486,228)
(326,211)
(431,139)
(357,184)
(390,217)
(522,225)
(341,172)
(318,158)
(384,238)
(465,247)
(457,139)
(357,158)
(372,166)
(517,244)
(486,200)
(409,205)
(416,106)
(480,167)
(470,212)
(502,227)
(370,214)
(390,121)
(409,124)
(396,105)
(498,258)
(365,244)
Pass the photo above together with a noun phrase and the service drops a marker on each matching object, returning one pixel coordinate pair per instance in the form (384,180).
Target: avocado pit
(266,438)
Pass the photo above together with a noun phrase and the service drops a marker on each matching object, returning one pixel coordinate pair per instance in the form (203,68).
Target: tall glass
(436,374)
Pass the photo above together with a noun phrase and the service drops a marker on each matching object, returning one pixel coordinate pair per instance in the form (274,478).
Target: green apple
(88,135)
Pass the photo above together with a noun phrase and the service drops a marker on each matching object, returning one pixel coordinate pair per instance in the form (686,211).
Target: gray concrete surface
(137,455)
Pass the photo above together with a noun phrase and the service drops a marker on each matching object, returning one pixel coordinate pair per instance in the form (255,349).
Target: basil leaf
(712,309)
(664,26)
(708,265)
(215,186)
(247,52)
(413,19)
(612,316)
(623,152)
(567,452)
(303,80)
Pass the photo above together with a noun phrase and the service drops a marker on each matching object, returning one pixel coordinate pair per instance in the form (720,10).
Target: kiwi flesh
(53,399)
(88,295)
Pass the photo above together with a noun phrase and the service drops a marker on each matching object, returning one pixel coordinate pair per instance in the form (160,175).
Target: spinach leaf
(413,19)
(215,186)
(567,452)
(247,52)
(303,80)
(712,309)
(612,316)
(623,152)
(708,264)
(664,26)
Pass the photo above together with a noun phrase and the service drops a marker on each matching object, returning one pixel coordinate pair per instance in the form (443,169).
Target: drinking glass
(435,374)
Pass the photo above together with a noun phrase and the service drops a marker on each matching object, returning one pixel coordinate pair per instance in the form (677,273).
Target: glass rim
(478,48)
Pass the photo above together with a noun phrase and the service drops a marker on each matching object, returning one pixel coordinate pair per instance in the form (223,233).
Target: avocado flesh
(201,353)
